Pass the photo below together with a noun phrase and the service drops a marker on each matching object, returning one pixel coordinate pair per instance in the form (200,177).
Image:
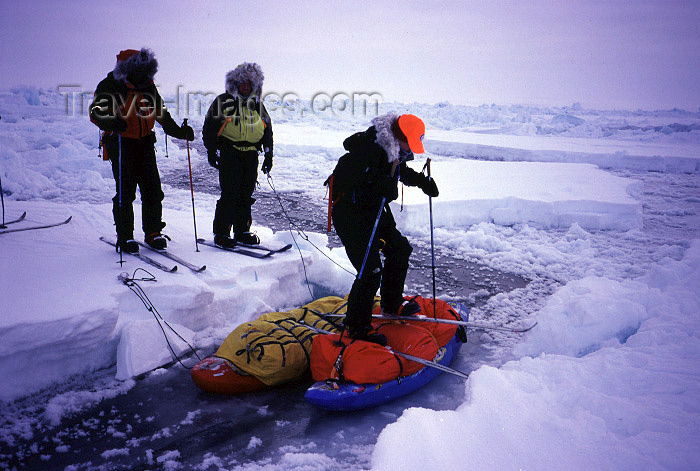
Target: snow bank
(543,195)
(48,155)
(609,381)
(146,345)
(65,311)
(665,156)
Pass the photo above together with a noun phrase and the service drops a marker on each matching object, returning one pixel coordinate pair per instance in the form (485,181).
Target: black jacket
(217,114)
(111,110)
(363,175)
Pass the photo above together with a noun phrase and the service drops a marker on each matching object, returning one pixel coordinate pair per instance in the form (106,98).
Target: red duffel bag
(333,357)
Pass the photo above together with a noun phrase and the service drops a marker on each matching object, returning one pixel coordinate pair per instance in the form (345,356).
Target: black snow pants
(238,173)
(354,227)
(138,168)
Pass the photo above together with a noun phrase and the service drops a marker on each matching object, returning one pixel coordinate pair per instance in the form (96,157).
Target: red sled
(220,376)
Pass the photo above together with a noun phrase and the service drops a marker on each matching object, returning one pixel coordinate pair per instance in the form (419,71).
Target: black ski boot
(127,246)
(368,335)
(157,240)
(247,238)
(408,309)
(224,241)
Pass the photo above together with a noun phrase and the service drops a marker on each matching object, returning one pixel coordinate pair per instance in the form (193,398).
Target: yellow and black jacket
(239,123)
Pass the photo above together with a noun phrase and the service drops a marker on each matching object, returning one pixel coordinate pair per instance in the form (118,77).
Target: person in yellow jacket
(236,129)
(126,107)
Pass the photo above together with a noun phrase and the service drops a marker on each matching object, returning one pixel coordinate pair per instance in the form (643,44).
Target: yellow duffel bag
(276,348)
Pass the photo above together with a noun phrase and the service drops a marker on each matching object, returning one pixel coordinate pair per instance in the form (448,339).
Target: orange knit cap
(414,130)
(125,54)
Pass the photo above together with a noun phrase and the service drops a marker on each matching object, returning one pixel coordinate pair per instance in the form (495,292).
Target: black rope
(291,224)
(136,288)
(302,234)
(300,340)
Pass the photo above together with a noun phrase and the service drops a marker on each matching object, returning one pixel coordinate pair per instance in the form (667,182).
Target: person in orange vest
(365,180)
(126,107)
(237,128)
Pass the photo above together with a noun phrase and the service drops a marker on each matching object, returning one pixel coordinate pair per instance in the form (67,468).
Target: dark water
(166,413)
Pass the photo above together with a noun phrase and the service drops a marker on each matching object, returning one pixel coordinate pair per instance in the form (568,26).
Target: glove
(213,158)
(267,163)
(388,187)
(120,124)
(429,187)
(187,132)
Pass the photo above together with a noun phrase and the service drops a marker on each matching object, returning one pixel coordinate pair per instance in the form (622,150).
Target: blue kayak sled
(348,396)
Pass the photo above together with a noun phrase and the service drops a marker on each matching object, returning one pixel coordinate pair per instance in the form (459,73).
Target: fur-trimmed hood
(245,71)
(142,62)
(385,135)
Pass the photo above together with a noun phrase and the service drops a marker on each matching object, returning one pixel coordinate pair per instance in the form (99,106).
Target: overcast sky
(603,54)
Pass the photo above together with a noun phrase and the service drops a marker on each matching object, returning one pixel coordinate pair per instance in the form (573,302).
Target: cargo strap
(338,365)
(281,342)
(337,371)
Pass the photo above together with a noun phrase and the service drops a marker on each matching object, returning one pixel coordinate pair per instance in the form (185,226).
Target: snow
(143,348)
(640,154)
(607,380)
(65,305)
(540,194)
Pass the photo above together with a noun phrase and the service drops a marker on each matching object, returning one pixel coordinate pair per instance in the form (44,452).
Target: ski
(143,258)
(31,228)
(265,248)
(432,364)
(422,318)
(174,258)
(24,214)
(249,253)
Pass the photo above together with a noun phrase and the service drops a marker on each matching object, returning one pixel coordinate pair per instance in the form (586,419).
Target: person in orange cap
(364,179)
(126,107)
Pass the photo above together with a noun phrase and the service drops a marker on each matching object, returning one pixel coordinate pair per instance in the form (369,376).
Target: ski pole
(2,197)
(189,164)
(432,242)
(420,318)
(121,211)
(374,229)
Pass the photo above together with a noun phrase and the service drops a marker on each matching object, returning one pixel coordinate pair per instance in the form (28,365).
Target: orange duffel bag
(357,361)
(443,333)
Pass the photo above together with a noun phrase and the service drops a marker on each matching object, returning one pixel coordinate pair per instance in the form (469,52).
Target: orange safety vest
(139,112)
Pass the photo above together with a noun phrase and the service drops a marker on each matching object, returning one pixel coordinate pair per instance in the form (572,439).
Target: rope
(136,288)
(300,232)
